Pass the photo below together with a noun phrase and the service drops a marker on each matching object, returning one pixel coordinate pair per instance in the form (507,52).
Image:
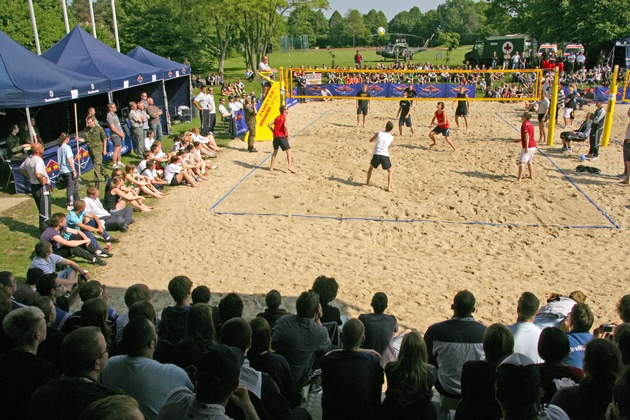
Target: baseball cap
(518,380)
(219,367)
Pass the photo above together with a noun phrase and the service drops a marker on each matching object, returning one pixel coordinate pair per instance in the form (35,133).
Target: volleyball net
(427,85)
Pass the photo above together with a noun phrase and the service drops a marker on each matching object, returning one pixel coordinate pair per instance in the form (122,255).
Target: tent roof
(28,80)
(81,52)
(171,68)
(623,42)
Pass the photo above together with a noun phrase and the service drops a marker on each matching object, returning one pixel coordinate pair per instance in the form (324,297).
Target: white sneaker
(593,159)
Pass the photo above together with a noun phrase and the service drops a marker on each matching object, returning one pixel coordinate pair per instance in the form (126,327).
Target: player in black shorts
(404,114)
(462,106)
(363,105)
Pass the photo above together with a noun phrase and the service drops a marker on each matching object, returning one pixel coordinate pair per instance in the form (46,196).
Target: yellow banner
(268,112)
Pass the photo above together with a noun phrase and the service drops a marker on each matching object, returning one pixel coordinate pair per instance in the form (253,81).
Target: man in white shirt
(266,70)
(526,334)
(380,157)
(201,102)
(35,170)
(212,110)
(120,220)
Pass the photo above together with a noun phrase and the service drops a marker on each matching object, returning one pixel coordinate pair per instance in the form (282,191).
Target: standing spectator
(142,108)
(250,120)
(351,378)
(97,147)
(116,134)
(201,102)
(67,171)
(33,168)
(358,59)
(516,59)
(580,60)
(135,118)
(137,374)
(579,323)
(571,62)
(212,109)
(453,342)
(265,70)
(380,329)
(597,127)
(154,114)
(21,371)
(143,100)
(526,334)
(300,337)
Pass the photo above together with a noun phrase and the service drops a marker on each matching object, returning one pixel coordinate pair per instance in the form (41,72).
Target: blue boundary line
(383,220)
(602,211)
(260,164)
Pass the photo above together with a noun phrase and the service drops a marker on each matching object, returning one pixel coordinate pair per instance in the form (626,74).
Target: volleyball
(380,31)
(582,158)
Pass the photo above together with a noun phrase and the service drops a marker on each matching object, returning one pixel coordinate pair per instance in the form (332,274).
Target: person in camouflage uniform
(96,140)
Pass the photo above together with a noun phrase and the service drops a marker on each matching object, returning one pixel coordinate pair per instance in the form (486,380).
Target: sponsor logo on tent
(455,89)
(170,73)
(51,166)
(344,90)
(184,70)
(430,90)
(51,93)
(375,88)
(140,78)
(314,89)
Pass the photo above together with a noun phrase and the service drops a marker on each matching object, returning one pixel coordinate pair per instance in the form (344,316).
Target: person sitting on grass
(207,140)
(194,162)
(118,220)
(117,196)
(47,261)
(76,243)
(151,173)
(176,174)
(80,218)
(140,182)
(173,325)
(159,156)
(273,312)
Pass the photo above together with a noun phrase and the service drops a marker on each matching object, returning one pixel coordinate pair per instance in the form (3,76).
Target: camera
(607,328)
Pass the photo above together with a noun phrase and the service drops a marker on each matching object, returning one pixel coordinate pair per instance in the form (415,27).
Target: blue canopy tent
(81,52)
(176,82)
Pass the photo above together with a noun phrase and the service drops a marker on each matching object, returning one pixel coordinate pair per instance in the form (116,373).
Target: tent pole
(65,15)
(167,115)
(34,23)
(31,134)
(92,18)
(113,2)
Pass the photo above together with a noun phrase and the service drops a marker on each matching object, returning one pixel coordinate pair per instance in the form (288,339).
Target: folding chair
(7,162)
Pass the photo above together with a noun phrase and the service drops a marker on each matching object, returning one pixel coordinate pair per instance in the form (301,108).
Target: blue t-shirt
(577,343)
(71,221)
(63,153)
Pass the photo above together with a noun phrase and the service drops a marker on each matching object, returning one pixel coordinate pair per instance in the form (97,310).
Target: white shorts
(567,112)
(527,155)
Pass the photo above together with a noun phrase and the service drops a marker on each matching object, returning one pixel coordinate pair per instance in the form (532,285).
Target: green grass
(18,225)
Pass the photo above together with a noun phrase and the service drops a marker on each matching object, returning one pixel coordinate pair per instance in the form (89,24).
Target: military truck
(483,50)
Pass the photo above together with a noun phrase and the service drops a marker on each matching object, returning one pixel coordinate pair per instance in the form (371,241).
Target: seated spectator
(479,376)
(90,224)
(136,293)
(7,281)
(217,384)
(5,308)
(351,378)
(553,347)
(140,183)
(230,306)
(50,348)
(94,314)
(25,292)
(200,294)
(115,407)
(175,173)
(90,290)
(207,140)
(579,323)
(326,288)
(299,338)
(85,354)
(590,399)
(526,334)
(619,408)
(263,392)
(518,391)
(48,262)
(173,325)
(116,220)
(50,286)
(137,374)
(263,359)
(410,381)
(555,311)
(273,312)
(117,196)
(150,172)
(147,155)
(623,308)
(380,329)
(198,338)
(164,350)
(622,339)
(326,94)
(21,371)
(450,344)
(66,241)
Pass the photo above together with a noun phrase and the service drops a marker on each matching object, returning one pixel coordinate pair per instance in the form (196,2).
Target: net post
(554,108)
(610,111)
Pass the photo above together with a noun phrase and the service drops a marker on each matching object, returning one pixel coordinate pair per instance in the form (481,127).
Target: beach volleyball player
(380,157)
(281,138)
(442,126)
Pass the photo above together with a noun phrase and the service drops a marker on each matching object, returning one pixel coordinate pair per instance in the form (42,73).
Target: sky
(390,10)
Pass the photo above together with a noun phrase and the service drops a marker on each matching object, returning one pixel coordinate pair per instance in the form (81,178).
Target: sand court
(472,231)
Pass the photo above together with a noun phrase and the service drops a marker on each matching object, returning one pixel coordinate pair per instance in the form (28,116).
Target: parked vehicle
(483,50)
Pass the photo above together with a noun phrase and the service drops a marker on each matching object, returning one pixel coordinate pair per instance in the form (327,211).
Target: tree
(355,32)
(462,17)
(374,20)
(451,41)
(305,21)
(336,26)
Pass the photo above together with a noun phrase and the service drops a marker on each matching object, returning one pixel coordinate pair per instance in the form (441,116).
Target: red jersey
(527,128)
(279,130)
(441,118)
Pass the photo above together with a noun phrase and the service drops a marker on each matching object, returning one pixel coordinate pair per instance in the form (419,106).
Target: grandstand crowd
(208,362)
